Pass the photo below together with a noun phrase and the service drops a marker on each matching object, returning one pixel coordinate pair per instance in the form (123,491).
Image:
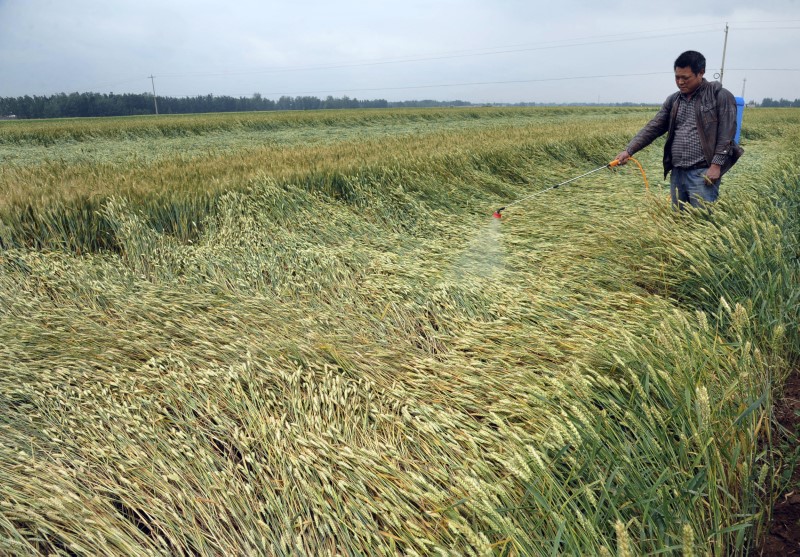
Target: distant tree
(284,103)
(64,105)
(771,103)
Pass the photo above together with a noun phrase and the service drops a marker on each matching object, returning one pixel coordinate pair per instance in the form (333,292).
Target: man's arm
(654,129)
(726,131)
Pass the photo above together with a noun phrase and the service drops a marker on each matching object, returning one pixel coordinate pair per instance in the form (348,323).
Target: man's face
(687,80)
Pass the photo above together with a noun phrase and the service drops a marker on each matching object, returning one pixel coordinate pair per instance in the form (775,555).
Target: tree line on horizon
(782,103)
(76,105)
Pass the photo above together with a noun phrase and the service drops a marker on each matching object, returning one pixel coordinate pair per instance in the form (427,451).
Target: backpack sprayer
(497,214)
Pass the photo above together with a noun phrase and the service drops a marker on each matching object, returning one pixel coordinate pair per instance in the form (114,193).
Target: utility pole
(155,102)
(724,48)
(743,84)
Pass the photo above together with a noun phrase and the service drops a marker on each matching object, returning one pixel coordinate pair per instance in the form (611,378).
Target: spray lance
(498,213)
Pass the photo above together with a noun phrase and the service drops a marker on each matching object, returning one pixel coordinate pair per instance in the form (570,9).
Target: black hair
(691,59)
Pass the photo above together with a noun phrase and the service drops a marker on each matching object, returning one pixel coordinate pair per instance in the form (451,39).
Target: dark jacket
(716,124)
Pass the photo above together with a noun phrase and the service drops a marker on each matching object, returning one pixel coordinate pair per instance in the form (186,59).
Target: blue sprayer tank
(739,114)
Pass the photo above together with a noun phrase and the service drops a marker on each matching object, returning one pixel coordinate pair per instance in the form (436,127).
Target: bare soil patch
(783,536)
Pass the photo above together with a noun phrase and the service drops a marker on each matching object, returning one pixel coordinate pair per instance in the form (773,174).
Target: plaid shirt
(700,135)
(687,151)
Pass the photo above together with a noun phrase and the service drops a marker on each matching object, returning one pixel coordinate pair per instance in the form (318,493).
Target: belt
(702,164)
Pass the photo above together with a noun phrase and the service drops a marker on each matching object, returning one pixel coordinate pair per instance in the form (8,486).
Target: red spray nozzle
(497,214)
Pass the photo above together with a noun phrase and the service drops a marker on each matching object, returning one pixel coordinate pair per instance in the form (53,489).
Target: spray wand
(497,214)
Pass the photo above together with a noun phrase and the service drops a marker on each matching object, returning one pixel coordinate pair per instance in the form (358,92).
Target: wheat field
(305,334)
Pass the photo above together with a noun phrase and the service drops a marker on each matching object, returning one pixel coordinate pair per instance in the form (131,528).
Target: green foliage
(305,334)
(782,103)
(92,105)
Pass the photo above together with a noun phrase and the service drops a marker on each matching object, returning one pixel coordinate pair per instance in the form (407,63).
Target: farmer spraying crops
(700,122)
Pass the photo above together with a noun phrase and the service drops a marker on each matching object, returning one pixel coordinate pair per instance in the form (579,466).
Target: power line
(764,28)
(491,51)
(508,82)
(764,69)
(589,40)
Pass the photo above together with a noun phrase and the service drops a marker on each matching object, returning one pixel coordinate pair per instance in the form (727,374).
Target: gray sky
(477,51)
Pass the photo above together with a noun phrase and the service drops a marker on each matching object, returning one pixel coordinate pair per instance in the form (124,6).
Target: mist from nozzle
(484,255)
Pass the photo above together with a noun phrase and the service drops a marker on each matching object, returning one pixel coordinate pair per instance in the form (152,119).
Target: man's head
(689,70)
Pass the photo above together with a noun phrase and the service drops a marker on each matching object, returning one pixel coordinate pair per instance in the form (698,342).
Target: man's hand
(712,174)
(623,157)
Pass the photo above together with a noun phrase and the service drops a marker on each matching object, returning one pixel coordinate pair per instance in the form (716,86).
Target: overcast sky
(472,50)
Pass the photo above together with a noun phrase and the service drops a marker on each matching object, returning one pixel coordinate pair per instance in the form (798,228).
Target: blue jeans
(689,186)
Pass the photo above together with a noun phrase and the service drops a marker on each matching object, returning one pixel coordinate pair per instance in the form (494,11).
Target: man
(700,122)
